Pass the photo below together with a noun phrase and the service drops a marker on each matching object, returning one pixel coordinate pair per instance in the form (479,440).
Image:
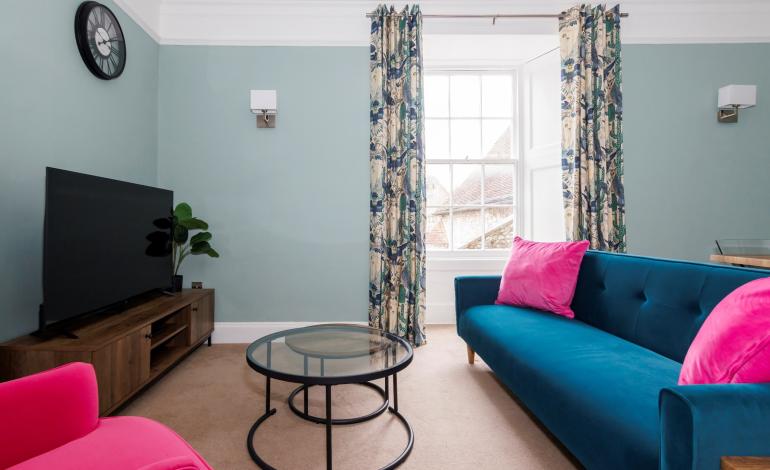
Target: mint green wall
(54,112)
(288,206)
(690,179)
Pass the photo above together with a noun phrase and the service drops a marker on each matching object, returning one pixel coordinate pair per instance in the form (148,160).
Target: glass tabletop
(329,354)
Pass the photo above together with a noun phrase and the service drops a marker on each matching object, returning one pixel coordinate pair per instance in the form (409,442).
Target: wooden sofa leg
(471,355)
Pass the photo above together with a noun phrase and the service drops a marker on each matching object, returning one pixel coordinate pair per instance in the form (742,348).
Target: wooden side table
(754,261)
(745,463)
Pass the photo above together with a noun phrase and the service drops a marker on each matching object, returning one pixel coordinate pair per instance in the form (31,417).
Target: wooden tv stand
(129,349)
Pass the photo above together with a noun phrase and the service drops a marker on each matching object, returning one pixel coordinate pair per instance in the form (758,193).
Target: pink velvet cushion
(733,345)
(542,275)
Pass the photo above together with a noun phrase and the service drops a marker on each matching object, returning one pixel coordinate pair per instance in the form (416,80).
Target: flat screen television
(105,242)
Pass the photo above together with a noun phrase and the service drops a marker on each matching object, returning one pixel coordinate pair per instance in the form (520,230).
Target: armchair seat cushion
(596,392)
(119,443)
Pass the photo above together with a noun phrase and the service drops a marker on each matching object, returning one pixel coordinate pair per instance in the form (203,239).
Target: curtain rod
(493,17)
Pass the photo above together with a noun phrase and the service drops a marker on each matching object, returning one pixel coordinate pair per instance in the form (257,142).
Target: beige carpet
(461,415)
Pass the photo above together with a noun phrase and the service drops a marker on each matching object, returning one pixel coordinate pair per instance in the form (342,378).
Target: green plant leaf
(194,224)
(200,248)
(183,211)
(213,253)
(180,234)
(200,237)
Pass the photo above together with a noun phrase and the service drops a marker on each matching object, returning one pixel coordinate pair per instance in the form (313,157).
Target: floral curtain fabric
(397,161)
(592,137)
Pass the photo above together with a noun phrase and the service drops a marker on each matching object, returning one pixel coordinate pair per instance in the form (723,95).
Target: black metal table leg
(387,378)
(340,421)
(305,394)
(267,395)
(250,438)
(328,427)
(395,392)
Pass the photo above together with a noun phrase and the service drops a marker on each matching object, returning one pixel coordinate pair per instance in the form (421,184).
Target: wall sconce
(735,97)
(264,103)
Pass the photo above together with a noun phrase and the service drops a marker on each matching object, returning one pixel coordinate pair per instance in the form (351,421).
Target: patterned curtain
(592,138)
(397,160)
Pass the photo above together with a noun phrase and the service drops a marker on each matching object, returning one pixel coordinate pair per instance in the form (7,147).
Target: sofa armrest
(46,410)
(699,424)
(474,290)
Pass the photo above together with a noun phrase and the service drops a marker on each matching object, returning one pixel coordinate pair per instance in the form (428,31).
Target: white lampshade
(741,96)
(264,100)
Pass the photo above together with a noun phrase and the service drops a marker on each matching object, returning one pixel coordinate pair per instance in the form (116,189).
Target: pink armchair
(51,420)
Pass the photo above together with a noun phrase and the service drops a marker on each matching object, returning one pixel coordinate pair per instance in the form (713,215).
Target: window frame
(514,162)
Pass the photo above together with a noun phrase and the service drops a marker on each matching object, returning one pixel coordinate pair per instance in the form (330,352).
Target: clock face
(100,40)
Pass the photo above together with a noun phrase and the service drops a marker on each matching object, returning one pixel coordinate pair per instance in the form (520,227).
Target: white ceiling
(342,22)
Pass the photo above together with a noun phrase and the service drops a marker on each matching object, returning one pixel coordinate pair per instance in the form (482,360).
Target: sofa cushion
(595,392)
(733,345)
(542,275)
(120,443)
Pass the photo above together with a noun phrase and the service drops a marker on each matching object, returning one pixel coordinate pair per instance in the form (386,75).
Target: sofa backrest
(43,411)
(656,303)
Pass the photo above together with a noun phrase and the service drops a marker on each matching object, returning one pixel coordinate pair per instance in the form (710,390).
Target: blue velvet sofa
(605,383)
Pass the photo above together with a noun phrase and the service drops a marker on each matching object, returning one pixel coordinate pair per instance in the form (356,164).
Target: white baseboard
(440,313)
(250,331)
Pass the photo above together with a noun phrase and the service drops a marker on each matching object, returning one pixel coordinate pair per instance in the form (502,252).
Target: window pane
(497,96)
(498,184)
(436,138)
(466,138)
(438,185)
(466,184)
(465,95)
(437,235)
(467,229)
(498,225)
(436,95)
(498,137)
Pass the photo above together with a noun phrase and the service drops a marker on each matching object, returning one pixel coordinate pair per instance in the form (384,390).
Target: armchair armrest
(474,290)
(699,424)
(46,410)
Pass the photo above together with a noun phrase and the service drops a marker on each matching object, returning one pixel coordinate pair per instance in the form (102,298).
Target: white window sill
(467,264)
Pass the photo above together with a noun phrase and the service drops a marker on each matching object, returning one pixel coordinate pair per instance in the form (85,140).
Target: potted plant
(182,226)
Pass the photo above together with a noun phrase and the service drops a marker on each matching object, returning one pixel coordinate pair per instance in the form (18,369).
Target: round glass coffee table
(328,355)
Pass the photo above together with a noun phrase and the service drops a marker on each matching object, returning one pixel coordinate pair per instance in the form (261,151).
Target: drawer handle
(195,309)
(148,336)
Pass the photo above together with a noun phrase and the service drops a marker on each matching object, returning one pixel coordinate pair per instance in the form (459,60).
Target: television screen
(105,241)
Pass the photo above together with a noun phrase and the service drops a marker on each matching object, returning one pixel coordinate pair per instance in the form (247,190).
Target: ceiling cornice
(342,22)
(147,18)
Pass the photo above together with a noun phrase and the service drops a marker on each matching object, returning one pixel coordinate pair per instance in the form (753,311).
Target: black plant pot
(176,284)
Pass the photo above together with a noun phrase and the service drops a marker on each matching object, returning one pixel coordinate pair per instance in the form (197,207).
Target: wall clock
(100,40)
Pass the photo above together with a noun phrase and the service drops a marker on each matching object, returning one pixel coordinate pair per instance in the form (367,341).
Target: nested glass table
(328,355)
